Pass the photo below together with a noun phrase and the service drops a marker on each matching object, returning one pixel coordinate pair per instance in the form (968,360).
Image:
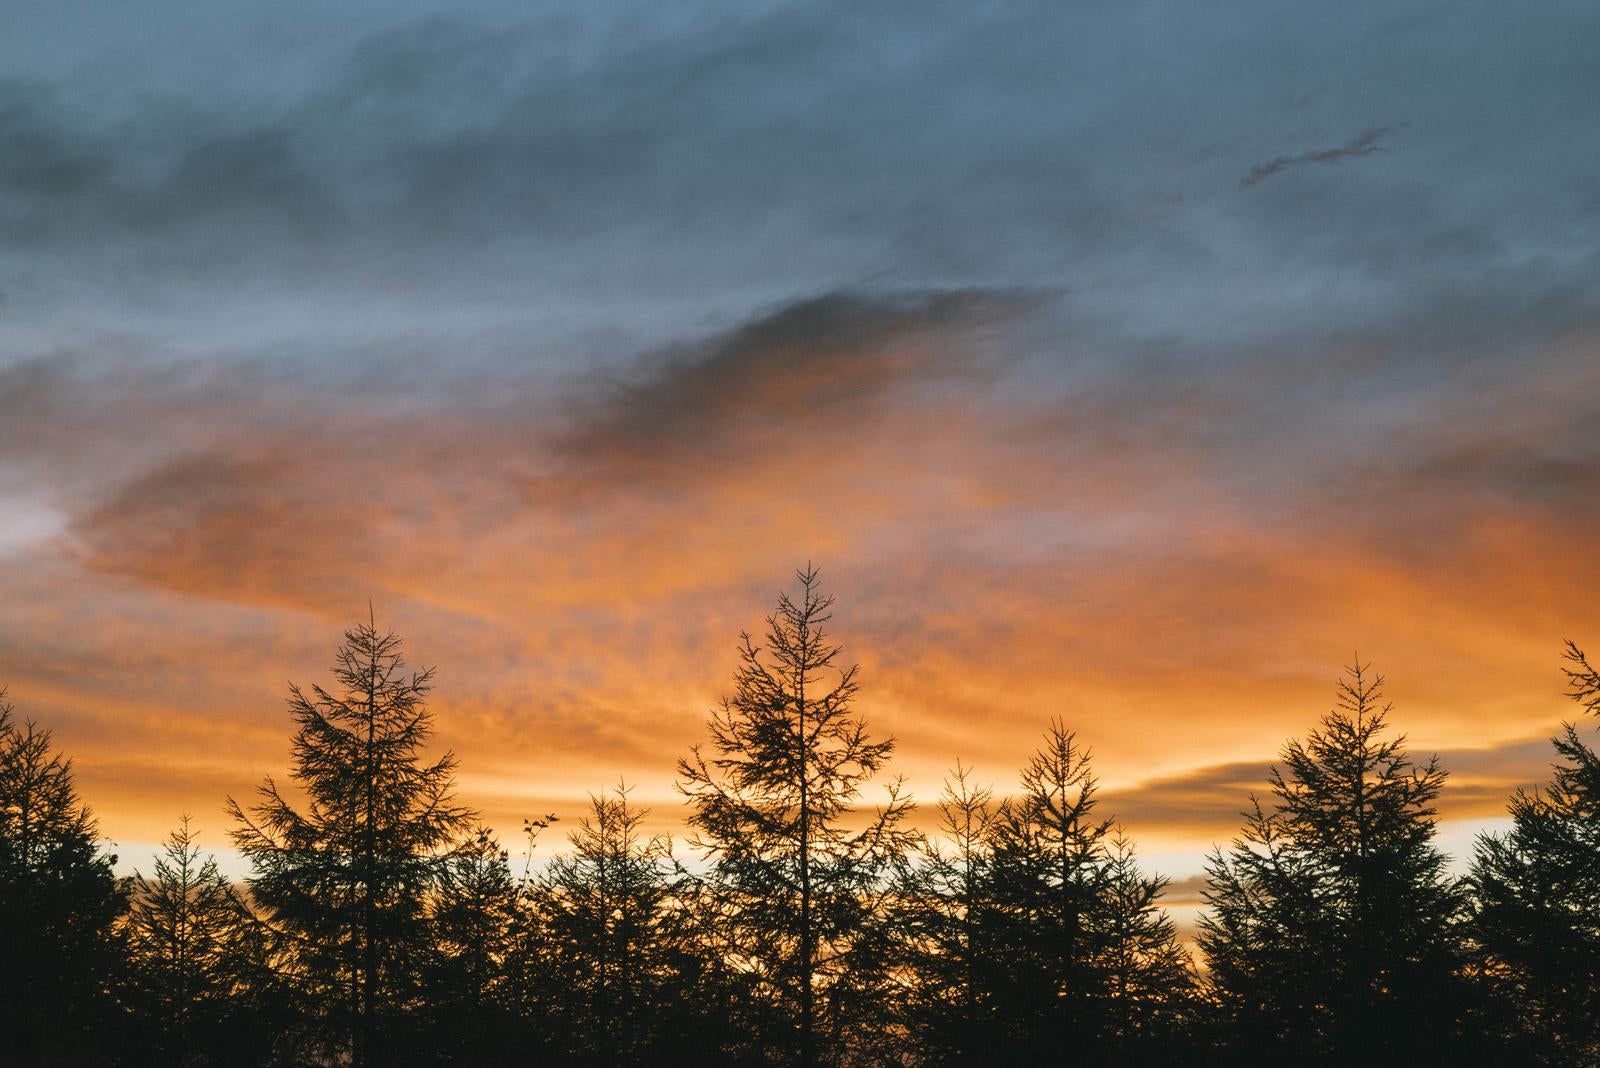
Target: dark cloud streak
(1363,145)
(830,361)
(1213,800)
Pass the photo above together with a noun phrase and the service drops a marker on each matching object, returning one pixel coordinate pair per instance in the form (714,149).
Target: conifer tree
(1333,928)
(1538,896)
(800,890)
(346,875)
(472,1001)
(944,924)
(196,952)
(1148,978)
(59,902)
(1089,961)
(1049,871)
(608,917)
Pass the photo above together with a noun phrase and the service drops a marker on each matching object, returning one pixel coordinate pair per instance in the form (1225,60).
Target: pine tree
(1538,896)
(1334,928)
(347,876)
(945,931)
(1049,872)
(1089,961)
(473,918)
(59,903)
(608,909)
(196,950)
(1148,979)
(801,892)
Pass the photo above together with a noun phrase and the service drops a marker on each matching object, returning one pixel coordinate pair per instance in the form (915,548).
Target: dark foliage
(1050,877)
(797,886)
(471,1006)
(1538,898)
(1057,939)
(200,973)
(620,961)
(60,955)
(1334,930)
(345,878)
(945,922)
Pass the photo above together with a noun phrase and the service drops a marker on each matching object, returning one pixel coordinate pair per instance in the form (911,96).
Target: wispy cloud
(1210,802)
(1363,145)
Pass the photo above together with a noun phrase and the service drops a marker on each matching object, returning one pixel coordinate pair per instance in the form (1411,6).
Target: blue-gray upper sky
(1119,336)
(267,175)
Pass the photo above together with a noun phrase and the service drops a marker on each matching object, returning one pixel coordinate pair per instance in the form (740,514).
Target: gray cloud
(635,161)
(290,484)
(37,157)
(307,478)
(502,199)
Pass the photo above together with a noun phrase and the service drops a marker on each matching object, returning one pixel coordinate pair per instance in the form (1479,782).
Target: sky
(1134,364)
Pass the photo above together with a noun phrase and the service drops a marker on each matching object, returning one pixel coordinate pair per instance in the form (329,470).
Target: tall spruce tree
(346,874)
(1049,872)
(1538,896)
(800,882)
(59,902)
(1334,928)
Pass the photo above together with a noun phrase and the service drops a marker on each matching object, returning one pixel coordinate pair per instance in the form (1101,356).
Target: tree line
(381,923)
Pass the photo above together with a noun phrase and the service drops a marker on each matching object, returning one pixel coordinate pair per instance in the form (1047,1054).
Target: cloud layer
(564,335)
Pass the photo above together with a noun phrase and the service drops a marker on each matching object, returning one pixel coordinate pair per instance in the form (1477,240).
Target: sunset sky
(1137,364)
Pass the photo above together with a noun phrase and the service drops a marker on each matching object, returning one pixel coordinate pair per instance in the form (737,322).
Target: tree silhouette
(197,954)
(611,937)
(799,889)
(1049,872)
(471,999)
(347,875)
(1334,928)
(382,924)
(59,901)
(1538,895)
(1087,951)
(946,932)
(1147,977)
